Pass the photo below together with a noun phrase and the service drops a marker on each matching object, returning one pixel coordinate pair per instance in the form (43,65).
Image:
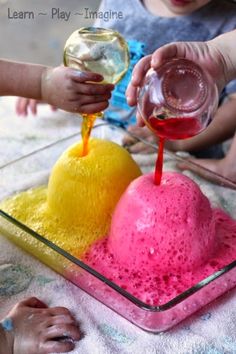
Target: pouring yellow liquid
(98,50)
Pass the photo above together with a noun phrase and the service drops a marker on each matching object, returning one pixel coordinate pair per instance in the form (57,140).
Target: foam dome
(166,227)
(83,190)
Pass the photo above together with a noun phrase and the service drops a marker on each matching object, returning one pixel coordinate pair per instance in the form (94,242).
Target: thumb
(166,52)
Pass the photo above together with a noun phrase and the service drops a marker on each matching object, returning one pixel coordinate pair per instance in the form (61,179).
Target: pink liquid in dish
(163,239)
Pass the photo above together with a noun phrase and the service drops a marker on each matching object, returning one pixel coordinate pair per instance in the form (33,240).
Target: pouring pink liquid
(176,102)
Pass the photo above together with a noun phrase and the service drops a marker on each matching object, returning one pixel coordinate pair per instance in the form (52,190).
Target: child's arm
(62,87)
(216,56)
(21,79)
(225,44)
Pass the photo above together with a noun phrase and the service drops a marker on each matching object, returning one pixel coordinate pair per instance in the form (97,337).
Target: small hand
(138,75)
(34,328)
(206,54)
(134,145)
(24,106)
(75,91)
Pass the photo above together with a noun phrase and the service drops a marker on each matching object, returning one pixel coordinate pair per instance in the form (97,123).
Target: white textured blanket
(211,331)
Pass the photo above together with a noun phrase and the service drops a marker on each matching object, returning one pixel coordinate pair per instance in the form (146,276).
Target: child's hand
(75,91)
(206,54)
(34,328)
(27,105)
(139,73)
(140,145)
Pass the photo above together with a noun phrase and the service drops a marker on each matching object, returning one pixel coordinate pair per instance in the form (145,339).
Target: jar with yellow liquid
(98,50)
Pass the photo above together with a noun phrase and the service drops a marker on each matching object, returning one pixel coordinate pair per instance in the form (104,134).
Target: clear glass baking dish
(33,170)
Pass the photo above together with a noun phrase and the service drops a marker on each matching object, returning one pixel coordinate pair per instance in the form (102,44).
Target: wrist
(6,342)
(45,82)
(224,45)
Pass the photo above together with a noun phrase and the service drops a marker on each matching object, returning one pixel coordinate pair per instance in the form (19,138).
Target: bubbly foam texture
(83,190)
(163,239)
(170,226)
(75,210)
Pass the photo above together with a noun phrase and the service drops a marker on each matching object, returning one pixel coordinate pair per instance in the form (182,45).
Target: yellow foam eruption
(76,208)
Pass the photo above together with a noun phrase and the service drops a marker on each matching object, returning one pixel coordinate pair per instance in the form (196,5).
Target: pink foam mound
(168,227)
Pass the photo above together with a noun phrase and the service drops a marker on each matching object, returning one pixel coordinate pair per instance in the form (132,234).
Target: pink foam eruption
(163,239)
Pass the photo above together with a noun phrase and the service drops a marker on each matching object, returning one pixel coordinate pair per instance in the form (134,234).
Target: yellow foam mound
(84,190)
(76,208)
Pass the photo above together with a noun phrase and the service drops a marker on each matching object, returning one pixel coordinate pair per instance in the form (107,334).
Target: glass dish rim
(166,306)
